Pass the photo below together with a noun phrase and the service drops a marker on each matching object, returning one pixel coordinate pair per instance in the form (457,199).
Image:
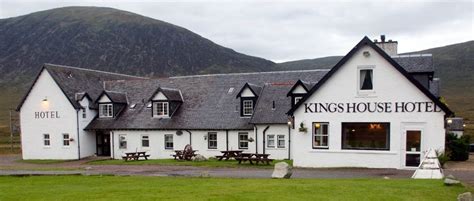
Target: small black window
(247,107)
(212,140)
(46,140)
(84,113)
(243,140)
(145,141)
(169,141)
(66,140)
(366,79)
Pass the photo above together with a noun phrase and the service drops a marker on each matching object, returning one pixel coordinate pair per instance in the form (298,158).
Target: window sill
(276,149)
(353,151)
(46,147)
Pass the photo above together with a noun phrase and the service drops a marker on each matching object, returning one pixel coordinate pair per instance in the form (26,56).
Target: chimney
(390,47)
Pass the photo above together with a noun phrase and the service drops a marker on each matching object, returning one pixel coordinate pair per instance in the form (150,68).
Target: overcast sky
(289,30)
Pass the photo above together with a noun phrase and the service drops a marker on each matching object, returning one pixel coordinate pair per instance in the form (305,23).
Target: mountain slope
(111,40)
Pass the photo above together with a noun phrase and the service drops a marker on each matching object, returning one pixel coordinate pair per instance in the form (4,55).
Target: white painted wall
(299,90)
(389,85)
(159,96)
(32,129)
(104,99)
(247,93)
(157,150)
(274,129)
(87,138)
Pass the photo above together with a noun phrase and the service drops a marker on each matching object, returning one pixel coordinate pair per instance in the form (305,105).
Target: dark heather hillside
(111,40)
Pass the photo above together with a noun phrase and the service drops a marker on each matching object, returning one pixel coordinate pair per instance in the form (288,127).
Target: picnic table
(257,158)
(135,156)
(184,155)
(229,154)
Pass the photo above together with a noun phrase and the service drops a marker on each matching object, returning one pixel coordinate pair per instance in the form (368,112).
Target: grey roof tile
(208,102)
(415,63)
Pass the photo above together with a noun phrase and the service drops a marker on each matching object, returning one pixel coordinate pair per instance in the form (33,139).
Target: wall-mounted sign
(47,115)
(371,107)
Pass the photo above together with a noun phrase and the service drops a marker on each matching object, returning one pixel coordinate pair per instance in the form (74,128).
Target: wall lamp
(45,99)
(450,121)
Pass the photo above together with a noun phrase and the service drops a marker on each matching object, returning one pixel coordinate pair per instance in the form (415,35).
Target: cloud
(285,30)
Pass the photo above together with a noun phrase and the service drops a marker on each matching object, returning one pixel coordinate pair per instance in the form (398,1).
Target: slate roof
(207,102)
(416,63)
(171,94)
(116,97)
(73,80)
(264,112)
(457,124)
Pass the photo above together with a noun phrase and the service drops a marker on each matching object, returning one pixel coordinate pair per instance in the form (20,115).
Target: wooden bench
(135,156)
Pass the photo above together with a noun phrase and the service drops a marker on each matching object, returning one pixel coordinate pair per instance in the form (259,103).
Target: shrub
(442,158)
(457,147)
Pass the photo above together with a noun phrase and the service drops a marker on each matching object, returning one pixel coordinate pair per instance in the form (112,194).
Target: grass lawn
(183,188)
(212,162)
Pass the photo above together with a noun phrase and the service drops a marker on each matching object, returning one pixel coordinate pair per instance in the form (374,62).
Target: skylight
(230,90)
(148,105)
(133,106)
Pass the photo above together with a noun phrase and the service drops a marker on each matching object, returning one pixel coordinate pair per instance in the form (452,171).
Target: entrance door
(103,144)
(413,148)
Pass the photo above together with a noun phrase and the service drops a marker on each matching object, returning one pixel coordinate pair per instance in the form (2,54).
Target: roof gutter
(264,131)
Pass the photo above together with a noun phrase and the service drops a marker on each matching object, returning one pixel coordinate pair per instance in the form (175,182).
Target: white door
(412,151)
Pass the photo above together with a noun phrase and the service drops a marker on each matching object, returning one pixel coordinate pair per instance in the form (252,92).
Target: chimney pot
(382,37)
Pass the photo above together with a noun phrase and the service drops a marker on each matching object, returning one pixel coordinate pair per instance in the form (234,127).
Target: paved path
(10,165)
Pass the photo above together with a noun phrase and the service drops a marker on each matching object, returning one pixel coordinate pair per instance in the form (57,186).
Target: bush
(442,158)
(457,148)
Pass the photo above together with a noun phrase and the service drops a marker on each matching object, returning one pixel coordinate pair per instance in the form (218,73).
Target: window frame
(240,141)
(278,142)
(360,84)
(66,141)
(84,113)
(124,140)
(109,109)
(321,135)
(297,99)
(388,136)
(46,140)
(244,107)
(268,141)
(166,142)
(213,140)
(165,107)
(147,140)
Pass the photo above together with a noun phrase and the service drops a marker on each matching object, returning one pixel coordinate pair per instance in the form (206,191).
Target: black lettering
(373,109)
(419,106)
(332,107)
(307,108)
(358,107)
(428,107)
(409,107)
(388,107)
(349,107)
(57,114)
(321,107)
(399,107)
(340,107)
(37,115)
(42,115)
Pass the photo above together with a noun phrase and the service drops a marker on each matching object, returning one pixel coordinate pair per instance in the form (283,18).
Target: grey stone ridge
(208,101)
(416,63)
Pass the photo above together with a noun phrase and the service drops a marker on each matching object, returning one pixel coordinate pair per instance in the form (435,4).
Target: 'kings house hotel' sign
(371,107)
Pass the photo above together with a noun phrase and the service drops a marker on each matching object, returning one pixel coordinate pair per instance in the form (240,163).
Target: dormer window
(247,107)
(106,110)
(298,91)
(248,96)
(160,109)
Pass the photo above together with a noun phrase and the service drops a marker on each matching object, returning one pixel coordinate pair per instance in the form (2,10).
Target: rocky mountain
(111,40)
